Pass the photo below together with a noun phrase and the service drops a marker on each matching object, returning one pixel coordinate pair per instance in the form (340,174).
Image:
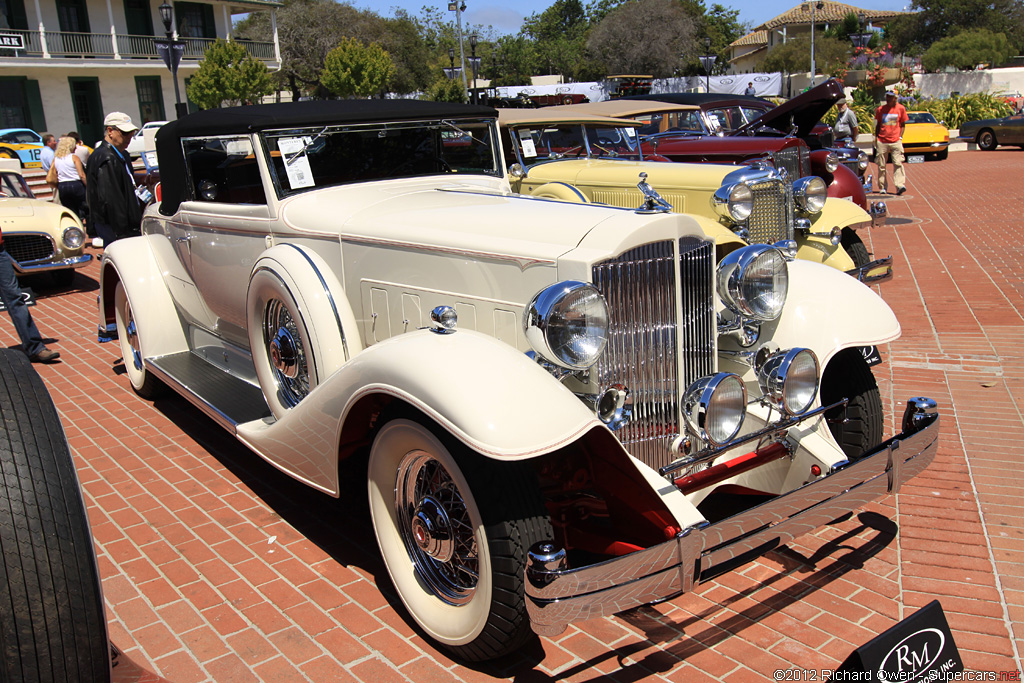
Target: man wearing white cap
(113,206)
(890,121)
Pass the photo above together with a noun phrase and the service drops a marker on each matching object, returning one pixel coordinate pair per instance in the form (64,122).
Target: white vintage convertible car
(564,410)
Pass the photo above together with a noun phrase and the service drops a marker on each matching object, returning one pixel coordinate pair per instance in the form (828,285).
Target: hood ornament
(653,202)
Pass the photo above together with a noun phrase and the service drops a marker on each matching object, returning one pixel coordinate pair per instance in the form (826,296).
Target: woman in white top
(70,176)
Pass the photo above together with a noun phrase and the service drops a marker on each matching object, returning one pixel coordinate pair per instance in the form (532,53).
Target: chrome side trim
(556,598)
(330,298)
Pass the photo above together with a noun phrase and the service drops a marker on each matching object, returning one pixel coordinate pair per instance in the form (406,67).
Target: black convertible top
(247,119)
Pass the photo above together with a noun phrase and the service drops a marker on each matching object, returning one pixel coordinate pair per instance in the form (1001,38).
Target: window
(151,99)
(223,170)
(195,20)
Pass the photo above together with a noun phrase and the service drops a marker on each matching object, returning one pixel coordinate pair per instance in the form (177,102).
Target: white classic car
(564,410)
(40,236)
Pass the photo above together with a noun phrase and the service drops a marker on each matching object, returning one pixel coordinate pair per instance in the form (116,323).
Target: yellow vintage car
(40,236)
(925,135)
(563,153)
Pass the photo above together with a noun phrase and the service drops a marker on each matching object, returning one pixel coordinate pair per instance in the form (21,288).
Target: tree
(967,49)
(228,75)
(642,37)
(559,34)
(445,89)
(722,25)
(938,19)
(795,55)
(356,70)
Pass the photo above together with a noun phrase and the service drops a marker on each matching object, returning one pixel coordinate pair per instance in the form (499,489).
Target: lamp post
(707,61)
(450,71)
(460,7)
(474,63)
(170,51)
(814,5)
(864,37)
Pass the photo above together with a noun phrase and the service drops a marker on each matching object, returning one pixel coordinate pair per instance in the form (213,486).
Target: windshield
(575,140)
(13,185)
(920,117)
(671,122)
(19,137)
(303,159)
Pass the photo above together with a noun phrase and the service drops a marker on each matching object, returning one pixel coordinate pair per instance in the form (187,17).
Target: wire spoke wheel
(436,528)
(286,350)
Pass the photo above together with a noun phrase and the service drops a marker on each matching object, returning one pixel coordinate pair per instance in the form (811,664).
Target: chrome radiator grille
(772,217)
(854,166)
(29,248)
(662,336)
(795,160)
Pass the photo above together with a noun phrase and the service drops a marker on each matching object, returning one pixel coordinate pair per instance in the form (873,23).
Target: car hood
(803,111)
(610,173)
(23,207)
(925,131)
(716,146)
(404,213)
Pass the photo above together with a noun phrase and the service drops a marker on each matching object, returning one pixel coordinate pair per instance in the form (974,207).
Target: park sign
(12,41)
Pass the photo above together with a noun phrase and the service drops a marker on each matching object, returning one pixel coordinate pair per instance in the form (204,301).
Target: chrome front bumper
(557,596)
(883,266)
(56,264)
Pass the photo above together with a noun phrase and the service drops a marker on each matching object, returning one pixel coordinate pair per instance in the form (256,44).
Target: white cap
(121,121)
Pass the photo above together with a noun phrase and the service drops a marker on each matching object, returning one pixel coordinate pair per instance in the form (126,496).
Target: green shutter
(34,104)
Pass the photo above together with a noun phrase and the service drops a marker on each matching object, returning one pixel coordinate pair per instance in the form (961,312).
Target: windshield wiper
(296,155)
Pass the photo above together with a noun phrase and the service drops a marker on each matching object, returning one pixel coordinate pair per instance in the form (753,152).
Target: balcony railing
(122,46)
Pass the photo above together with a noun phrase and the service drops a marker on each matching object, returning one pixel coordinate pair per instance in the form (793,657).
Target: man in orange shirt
(890,121)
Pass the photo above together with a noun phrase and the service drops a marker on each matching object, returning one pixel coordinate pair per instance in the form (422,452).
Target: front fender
(828,311)
(484,392)
(561,191)
(846,184)
(131,262)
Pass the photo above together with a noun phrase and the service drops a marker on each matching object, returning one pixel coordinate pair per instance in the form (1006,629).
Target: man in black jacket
(110,188)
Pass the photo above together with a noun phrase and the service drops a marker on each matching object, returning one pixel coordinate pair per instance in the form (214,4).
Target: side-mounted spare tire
(52,623)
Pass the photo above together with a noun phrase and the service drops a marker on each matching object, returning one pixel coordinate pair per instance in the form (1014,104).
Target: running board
(229,401)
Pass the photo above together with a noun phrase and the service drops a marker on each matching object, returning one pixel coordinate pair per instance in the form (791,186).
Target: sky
(507,17)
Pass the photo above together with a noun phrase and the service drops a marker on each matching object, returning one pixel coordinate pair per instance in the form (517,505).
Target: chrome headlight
(567,324)
(715,406)
(831,162)
(735,201)
(753,282)
(73,237)
(790,379)
(862,161)
(810,193)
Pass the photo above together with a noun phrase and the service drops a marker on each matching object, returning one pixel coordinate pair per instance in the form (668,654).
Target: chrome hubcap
(286,353)
(436,528)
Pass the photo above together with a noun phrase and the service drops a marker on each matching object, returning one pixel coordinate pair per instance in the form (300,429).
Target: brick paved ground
(218,568)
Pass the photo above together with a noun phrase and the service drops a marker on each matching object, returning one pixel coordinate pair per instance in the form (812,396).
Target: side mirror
(516,172)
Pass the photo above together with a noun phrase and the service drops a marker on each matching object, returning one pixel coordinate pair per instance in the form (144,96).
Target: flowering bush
(875,62)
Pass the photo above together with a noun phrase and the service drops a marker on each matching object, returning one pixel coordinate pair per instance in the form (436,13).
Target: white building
(65,63)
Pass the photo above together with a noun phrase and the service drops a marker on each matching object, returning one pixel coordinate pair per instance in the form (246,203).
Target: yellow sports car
(40,236)
(925,135)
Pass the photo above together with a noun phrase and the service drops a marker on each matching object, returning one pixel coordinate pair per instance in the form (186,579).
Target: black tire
(10,154)
(63,278)
(854,246)
(987,140)
(499,504)
(848,376)
(52,621)
(943,155)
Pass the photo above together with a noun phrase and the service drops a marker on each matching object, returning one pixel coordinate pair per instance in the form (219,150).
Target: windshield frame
(10,181)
